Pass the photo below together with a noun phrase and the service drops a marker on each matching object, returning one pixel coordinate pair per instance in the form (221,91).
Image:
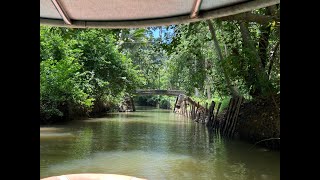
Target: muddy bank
(259,120)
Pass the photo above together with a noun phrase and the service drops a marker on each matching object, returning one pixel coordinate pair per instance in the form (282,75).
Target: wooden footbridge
(158,92)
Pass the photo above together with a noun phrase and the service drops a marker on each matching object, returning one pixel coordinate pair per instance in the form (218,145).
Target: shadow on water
(244,162)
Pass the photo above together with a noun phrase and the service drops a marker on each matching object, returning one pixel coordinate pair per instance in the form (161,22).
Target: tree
(80,68)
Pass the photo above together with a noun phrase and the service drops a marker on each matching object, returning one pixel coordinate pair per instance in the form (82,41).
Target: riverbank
(259,122)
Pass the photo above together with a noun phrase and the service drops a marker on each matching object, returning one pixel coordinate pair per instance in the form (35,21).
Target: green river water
(153,144)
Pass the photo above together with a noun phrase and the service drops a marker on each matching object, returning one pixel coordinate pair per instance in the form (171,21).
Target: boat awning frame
(196,14)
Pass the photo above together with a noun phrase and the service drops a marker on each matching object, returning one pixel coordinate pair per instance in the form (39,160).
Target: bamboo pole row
(196,111)
(231,118)
(202,114)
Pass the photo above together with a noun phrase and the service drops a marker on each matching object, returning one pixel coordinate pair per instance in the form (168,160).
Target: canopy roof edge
(203,15)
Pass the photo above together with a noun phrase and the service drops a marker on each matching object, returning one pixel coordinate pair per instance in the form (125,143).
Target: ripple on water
(50,129)
(54,133)
(151,165)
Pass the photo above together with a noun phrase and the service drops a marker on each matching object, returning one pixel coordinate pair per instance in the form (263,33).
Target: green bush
(165,103)
(79,67)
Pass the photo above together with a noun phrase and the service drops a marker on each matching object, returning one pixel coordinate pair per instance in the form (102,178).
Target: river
(153,144)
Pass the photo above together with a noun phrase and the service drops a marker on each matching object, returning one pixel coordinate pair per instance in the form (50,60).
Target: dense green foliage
(80,69)
(251,62)
(85,69)
(164,102)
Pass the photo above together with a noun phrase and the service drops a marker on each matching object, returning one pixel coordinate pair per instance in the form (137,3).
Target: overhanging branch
(250,17)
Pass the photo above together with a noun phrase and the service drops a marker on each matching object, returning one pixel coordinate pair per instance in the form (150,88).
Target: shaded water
(152,144)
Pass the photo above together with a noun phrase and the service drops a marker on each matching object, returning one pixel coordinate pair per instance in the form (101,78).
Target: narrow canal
(153,144)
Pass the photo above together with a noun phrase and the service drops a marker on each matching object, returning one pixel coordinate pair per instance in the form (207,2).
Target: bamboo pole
(224,123)
(211,108)
(236,116)
(215,121)
(206,108)
(191,111)
(228,129)
(175,104)
(186,106)
(194,112)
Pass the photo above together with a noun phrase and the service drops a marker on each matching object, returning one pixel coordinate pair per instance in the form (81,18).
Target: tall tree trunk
(265,30)
(272,58)
(264,43)
(208,80)
(249,44)
(232,89)
(274,11)
(208,92)
(262,84)
(225,50)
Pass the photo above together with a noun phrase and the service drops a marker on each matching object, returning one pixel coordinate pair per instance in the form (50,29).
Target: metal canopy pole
(195,9)
(61,11)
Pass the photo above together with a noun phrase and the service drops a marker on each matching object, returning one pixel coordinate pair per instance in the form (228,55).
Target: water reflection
(154,144)
(81,148)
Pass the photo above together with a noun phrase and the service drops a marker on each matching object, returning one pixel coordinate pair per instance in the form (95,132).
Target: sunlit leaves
(79,66)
